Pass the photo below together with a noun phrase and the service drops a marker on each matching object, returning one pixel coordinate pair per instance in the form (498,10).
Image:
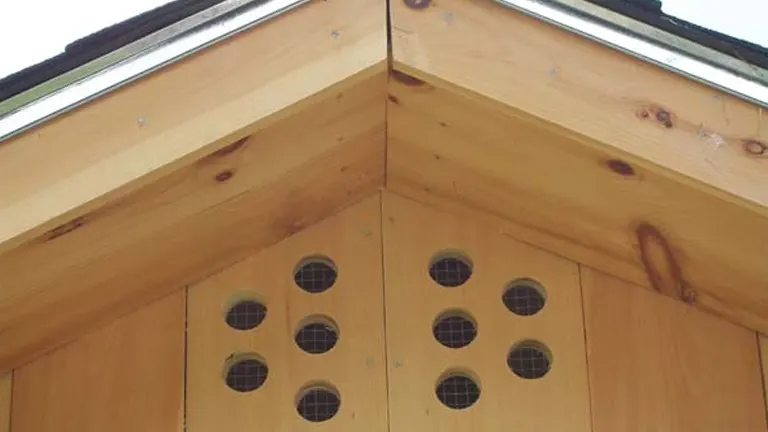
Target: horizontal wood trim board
(581,150)
(552,191)
(187,170)
(699,136)
(132,137)
(194,221)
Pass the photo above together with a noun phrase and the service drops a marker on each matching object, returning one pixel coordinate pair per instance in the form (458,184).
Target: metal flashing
(646,42)
(134,61)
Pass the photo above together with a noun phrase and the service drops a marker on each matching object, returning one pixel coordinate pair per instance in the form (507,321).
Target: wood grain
(355,366)
(97,202)
(413,235)
(125,377)
(543,186)
(656,365)
(763,341)
(676,127)
(6,388)
(118,143)
(194,221)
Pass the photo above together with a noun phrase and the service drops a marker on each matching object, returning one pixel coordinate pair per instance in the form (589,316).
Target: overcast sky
(743,19)
(34,30)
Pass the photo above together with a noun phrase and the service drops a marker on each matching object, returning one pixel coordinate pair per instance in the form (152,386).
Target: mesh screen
(458,392)
(317,405)
(317,338)
(247,375)
(315,276)
(246,315)
(528,361)
(523,299)
(454,331)
(450,272)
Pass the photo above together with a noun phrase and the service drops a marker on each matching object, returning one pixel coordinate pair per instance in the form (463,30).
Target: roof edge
(651,44)
(133,61)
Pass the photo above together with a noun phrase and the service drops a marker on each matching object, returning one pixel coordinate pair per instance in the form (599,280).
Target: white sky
(743,19)
(34,30)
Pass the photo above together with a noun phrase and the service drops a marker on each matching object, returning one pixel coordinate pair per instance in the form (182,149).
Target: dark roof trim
(649,12)
(101,43)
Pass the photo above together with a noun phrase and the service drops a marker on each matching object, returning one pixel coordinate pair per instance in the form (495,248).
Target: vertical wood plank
(658,365)
(559,401)
(125,377)
(763,341)
(6,386)
(354,367)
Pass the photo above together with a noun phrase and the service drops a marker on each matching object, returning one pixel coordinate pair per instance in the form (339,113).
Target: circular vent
(246,315)
(246,374)
(524,297)
(529,360)
(454,329)
(317,335)
(318,403)
(450,269)
(315,275)
(457,391)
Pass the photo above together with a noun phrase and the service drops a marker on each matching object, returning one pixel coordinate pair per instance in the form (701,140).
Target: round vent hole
(450,269)
(246,374)
(315,275)
(246,315)
(529,360)
(524,297)
(317,335)
(454,329)
(457,391)
(318,403)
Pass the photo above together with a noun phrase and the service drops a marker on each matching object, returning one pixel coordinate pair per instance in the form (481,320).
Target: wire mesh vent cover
(246,315)
(529,360)
(450,270)
(457,391)
(315,275)
(454,329)
(318,404)
(524,298)
(247,374)
(317,336)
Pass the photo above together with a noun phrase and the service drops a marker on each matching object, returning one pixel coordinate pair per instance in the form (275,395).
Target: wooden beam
(549,147)
(132,137)
(125,377)
(655,365)
(237,151)
(607,99)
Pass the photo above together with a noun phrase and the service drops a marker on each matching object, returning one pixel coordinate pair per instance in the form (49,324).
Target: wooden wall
(621,358)
(125,377)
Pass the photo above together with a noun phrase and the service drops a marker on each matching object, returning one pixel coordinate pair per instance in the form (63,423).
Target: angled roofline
(183,38)
(698,62)
(129,63)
